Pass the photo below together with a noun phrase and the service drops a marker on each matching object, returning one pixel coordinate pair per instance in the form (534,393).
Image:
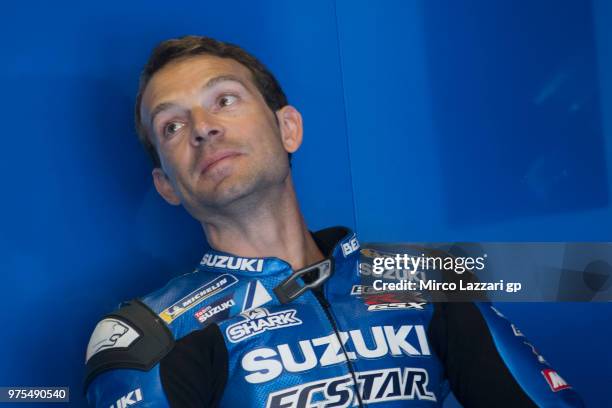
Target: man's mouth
(214,159)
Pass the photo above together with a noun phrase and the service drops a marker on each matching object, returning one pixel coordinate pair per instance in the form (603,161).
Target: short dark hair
(190,46)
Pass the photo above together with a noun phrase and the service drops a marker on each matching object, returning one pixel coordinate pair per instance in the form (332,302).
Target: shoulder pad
(131,337)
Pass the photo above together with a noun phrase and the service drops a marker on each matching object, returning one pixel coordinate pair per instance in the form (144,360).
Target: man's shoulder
(182,297)
(140,332)
(176,288)
(130,337)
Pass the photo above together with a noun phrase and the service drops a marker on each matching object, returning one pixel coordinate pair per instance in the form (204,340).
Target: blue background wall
(424,121)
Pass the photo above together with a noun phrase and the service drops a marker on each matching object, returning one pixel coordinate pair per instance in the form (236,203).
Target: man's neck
(274,227)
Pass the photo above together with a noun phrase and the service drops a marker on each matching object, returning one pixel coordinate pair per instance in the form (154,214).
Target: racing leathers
(248,332)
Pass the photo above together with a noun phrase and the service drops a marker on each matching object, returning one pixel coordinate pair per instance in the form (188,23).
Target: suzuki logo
(132,398)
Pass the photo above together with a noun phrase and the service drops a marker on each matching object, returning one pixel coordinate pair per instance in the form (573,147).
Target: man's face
(217,139)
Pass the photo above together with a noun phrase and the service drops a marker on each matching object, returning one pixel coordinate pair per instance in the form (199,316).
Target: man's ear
(290,123)
(164,187)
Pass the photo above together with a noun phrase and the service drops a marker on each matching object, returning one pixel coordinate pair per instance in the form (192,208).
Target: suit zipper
(327,309)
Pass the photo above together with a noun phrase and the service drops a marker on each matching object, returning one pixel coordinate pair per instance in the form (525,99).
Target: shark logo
(259,320)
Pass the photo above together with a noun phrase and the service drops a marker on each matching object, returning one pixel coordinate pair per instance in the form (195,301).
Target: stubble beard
(244,194)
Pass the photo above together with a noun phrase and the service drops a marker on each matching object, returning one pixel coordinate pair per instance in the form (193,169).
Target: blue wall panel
(486,121)
(396,173)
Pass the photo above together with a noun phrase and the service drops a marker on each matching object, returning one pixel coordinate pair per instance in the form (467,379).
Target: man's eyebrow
(223,78)
(211,83)
(160,108)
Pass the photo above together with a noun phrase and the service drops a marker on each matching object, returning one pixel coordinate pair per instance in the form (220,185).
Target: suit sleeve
(489,362)
(123,359)
(194,374)
(121,388)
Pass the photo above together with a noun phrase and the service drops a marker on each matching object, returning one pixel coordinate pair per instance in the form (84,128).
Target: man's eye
(227,100)
(172,127)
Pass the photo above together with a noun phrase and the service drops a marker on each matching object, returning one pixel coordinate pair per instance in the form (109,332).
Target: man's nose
(205,126)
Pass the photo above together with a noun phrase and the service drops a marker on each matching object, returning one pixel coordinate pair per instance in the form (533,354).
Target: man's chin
(224,195)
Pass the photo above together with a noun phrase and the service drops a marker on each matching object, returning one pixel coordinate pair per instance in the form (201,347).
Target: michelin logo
(392,384)
(196,297)
(259,320)
(232,263)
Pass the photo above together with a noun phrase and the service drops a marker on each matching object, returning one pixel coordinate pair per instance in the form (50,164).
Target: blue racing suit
(240,332)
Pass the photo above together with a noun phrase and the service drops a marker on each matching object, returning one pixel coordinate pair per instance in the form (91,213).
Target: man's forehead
(188,75)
